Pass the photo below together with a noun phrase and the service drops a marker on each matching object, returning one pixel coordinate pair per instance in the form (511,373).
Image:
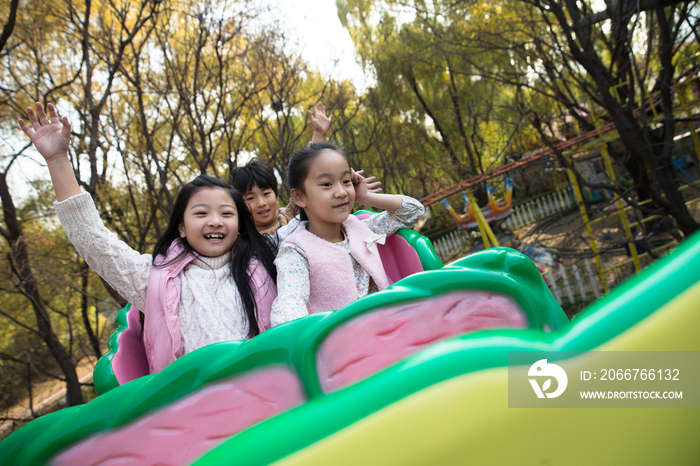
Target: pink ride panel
(399,258)
(373,341)
(130,361)
(180,433)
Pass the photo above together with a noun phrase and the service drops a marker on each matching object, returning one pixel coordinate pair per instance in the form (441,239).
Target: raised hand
(50,136)
(364,186)
(51,139)
(320,121)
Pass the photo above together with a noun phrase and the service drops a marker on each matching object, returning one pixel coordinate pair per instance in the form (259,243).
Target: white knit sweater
(211,309)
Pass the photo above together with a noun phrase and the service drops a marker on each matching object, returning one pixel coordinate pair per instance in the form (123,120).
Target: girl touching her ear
(332,258)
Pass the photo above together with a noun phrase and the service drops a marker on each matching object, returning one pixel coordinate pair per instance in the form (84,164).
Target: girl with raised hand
(211,277)
(333,260)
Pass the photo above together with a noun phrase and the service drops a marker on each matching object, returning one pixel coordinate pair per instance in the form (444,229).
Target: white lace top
(293,287)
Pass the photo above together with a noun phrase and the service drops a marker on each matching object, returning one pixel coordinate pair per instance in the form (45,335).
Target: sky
(324,43)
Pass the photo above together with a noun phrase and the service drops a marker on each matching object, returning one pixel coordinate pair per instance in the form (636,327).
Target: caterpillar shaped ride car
(415,374)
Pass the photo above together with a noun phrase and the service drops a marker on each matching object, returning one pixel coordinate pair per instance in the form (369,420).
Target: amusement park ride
(492,215)
(415,374)
(687,97)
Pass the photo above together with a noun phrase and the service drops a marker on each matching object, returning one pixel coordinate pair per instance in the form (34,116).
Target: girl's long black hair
(250,244)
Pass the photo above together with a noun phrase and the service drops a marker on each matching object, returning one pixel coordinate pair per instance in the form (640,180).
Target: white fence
(579,283)
(540,208)
(575,284)
(450,244)
(524,214)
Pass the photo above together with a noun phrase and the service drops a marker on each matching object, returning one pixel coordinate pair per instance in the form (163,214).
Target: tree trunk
(675,207)
(458,166)
(15,237)
(94,341)
(635,134)
(659,162)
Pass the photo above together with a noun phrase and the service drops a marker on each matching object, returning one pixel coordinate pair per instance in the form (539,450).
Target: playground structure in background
(526,213)
(494,214)
(687,97)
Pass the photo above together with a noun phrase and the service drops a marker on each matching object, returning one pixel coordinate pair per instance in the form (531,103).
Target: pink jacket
(161,328)
(331,276)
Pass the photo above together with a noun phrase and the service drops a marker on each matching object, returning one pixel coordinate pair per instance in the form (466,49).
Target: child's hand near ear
(364,186)
(320,121)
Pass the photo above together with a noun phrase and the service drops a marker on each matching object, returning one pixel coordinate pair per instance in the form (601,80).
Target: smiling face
(210,223)
(261,203)
(328,196)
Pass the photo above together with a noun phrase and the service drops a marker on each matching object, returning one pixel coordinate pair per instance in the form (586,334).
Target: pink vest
(331,276)
(161,330)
